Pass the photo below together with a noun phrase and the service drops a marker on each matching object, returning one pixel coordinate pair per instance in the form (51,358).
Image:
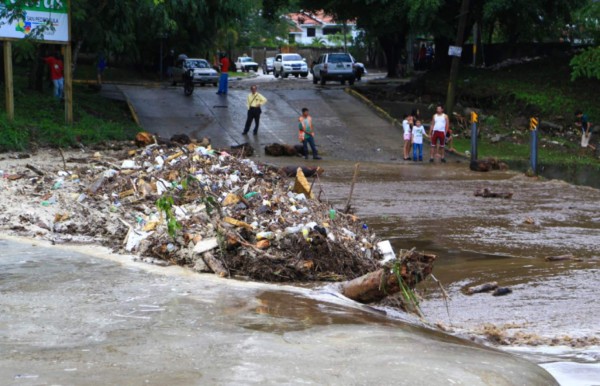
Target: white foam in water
(574,374)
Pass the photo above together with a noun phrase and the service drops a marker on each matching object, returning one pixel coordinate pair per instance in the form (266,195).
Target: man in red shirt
(56,74)
(224,78)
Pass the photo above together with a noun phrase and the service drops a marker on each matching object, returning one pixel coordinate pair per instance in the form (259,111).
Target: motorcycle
(188,82)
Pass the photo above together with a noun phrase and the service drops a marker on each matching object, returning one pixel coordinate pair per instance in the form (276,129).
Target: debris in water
(486,287)
(502,291)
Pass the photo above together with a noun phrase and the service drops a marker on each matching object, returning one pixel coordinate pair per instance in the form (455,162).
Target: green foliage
(165,205)
(40,118)
(586,64)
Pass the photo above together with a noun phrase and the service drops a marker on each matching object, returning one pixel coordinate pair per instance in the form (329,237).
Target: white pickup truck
(290,64)
(245,64)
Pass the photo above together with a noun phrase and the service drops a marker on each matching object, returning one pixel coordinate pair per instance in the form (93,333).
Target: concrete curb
(141,84)
(134,115)
(378,110)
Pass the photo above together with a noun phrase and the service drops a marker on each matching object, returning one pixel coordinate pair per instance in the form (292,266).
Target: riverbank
(505,100)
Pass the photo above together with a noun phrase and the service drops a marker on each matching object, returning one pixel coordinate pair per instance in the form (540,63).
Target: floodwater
(551,317)
(68,318)
(72,319)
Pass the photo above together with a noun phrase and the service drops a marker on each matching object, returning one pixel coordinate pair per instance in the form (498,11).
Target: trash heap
(210,210)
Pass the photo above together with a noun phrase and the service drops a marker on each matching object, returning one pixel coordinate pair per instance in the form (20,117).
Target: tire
(296,75)
(285,75)
(304,74)
(342,82)
(216,84)
(323,81)
(351,82)
(173,83)
(275,74)
(202,84)
(188,89)
(315,80)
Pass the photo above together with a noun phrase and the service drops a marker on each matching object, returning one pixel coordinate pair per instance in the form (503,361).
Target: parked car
(290,64)
(334,66)
(268,65)
(203,73)
(245,64)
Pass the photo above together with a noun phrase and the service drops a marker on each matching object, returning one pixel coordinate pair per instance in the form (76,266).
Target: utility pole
(460,33)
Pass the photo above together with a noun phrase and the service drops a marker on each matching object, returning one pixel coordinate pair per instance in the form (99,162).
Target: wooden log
(375,286)
(567,257)
(34,169)
(486,287)
(487,193)
(215,264)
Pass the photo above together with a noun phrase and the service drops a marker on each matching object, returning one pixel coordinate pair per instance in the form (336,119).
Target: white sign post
(455,51)
(49,16)
(46,21)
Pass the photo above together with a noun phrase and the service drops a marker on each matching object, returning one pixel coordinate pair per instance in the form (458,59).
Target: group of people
(306,131)
(414,131)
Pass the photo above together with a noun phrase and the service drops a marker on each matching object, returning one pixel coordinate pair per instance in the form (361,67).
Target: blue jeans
(223,83)
(59,87)
(309,140)
(417,148)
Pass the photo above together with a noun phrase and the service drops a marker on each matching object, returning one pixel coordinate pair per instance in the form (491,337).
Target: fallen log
(374,286)
(487,193)
(486,287)
(215,264)
(34,169)
(567,257)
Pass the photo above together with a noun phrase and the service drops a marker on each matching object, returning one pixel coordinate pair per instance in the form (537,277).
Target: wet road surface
(345,128)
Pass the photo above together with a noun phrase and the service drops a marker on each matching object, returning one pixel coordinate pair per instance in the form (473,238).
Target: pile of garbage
(203,208)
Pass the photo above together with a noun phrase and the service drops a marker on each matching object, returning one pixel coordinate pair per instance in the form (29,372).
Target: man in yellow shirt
(254,101)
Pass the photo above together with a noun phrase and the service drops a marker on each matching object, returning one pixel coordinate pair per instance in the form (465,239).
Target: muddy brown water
(68,318)
(433,208)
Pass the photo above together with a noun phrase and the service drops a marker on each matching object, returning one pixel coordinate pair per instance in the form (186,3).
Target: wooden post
(462,23)
(8,81)
(68,74)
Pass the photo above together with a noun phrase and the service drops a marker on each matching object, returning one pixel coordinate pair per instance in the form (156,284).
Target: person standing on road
(586,127)
(406,123)
(418,132)
(254,101)
(440,124)
(100,67)
(56,74)
(306,134)
(224,78)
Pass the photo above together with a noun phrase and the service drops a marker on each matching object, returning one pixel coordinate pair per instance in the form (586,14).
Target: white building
(308,28)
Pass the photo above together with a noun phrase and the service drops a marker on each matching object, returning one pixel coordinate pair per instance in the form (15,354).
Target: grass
(540,88)
(543,87)
(40,119)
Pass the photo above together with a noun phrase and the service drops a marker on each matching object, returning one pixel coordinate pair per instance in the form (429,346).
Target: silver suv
(290,64)
(338,66)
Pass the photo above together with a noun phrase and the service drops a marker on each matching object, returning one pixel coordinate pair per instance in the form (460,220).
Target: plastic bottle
(294,229)
(250,195)
(265,235)
(332,214)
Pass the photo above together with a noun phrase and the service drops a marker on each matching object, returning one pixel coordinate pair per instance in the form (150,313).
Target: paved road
(346,129)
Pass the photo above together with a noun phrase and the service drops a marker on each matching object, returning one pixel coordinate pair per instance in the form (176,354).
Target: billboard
(50,17)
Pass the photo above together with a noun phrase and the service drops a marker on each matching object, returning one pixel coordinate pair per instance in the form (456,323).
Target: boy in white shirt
(418,132)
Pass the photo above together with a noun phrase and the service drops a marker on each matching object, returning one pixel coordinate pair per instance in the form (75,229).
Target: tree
(586,28)
(389,21)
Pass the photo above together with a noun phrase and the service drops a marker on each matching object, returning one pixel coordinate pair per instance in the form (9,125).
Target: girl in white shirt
(406,127)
